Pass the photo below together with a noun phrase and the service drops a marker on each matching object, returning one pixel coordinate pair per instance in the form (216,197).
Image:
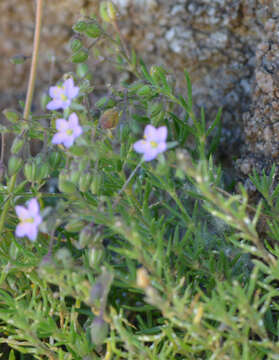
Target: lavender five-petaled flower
(29,218)
(68,131)
(63,95)
(153,143)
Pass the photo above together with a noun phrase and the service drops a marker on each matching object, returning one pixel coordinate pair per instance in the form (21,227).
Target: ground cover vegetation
(123,238)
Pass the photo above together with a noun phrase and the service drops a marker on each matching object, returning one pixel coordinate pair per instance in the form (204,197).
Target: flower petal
(22,212)
(59,138)
(62,124)
(22,229)
(73,121)
(150,133)
(55,92)
(161,134)
(71,90)
(68,141)
(150,155)
(142,146)
(37,220)
(55,105)
(32,232)
(33,207)
(162,146)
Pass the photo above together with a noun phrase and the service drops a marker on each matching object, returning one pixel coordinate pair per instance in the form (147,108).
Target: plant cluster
(119,239)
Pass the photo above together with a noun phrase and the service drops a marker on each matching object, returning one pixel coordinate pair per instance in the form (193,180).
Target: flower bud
(76,44)
(95,256)
(42,171)
(93,30)
(98,331)
(80,56)
(96,183)
(84,182)
(11,115)
(145,90)
(74,176)
(80,26)
(85,236)
(17,145)
(30,171)
(74,226)
(64,185)
(14,164)
(82,70)
(109,119)
(55,159)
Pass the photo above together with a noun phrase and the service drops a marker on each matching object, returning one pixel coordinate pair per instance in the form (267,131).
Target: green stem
(35,56)
(7,205)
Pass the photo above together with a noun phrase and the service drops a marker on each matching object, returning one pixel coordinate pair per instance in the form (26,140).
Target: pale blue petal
(22,212)
(141,146)
(59,138)
(32,232)
(55,105)
(22,229)
(62,124)
(68,141)
(150,155)
(161,134)
(55,92)
(150,132)
(73,120)
(33,207)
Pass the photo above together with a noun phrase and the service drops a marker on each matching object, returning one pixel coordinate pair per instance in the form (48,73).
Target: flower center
(28,220)
(63,97)
(153,144)
(69,132)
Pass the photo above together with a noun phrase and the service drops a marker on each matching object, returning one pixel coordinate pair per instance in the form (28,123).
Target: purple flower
(154,142)
(68,131)
(29,218)
(62,96)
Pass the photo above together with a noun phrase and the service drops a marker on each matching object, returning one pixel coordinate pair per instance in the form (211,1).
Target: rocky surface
(215,40)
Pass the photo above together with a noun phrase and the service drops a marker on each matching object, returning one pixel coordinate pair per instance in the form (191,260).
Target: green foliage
(135,260)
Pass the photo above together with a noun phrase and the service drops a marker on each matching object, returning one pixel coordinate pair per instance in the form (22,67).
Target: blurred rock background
(215,40)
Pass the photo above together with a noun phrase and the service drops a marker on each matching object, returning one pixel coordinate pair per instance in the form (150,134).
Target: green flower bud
(74,226)
(84,182)
(64,185)
(80,26)
(17,145)
(30,171)
(145,90)
(42,171)
(75,44)
(75,176)
(96,183)
(80,56)
(85,236)
(82,70)
(155,108)
(105,102)
(11,115)
(93,30)
(55,159)
(95,256)
(98,331)
(14,165)
(63,255)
